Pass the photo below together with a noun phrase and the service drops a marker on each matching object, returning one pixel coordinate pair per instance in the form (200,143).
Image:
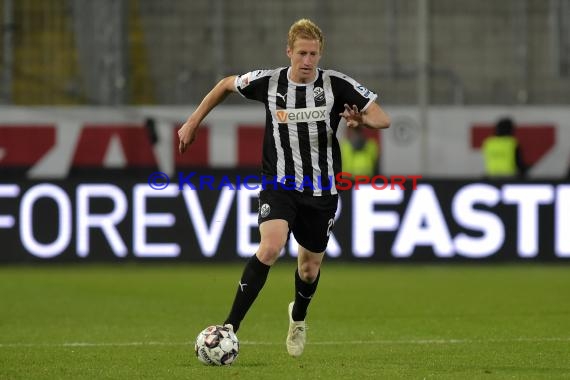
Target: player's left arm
(373,116)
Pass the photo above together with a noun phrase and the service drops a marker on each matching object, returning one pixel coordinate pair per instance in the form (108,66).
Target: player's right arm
(187,133)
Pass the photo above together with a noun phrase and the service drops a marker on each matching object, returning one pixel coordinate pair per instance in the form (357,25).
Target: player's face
(305,56)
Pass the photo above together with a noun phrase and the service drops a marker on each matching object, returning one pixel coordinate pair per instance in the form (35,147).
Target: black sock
(252,280)
(303,295)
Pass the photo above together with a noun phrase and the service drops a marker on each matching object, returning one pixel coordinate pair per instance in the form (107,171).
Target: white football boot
(296,336)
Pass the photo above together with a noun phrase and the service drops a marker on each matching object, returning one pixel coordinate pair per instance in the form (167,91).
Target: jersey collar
(301,84)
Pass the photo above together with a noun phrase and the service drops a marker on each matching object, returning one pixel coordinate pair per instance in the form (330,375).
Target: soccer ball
(217,345)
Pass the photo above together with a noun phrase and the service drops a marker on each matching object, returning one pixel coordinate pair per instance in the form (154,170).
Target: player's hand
(352,116)
(187,135)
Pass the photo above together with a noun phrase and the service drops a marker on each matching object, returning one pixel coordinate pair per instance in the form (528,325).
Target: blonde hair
(305,28)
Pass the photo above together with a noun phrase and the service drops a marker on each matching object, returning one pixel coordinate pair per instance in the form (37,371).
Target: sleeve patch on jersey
(363,90)
(243,80)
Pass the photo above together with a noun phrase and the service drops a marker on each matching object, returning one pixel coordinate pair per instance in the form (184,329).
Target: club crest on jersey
(301,115)
(319,94)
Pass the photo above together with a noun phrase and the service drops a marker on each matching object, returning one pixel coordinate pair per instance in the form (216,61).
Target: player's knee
(308,272)
(269,252)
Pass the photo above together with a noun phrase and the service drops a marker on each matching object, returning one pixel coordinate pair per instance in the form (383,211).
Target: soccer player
(304,105)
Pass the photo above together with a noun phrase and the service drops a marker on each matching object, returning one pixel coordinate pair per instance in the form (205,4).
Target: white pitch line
(317,343)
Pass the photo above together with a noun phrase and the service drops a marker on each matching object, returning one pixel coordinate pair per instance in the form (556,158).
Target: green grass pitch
(133,321)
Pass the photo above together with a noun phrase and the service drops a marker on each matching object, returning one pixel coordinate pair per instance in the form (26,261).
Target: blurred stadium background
(128,52)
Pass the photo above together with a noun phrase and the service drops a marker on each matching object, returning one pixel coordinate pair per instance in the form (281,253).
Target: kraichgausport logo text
(341,181)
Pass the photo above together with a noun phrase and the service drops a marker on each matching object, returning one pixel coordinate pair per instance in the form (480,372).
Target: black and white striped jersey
(300,141)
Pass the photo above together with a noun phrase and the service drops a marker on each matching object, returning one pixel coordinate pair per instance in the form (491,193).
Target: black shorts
(310,218)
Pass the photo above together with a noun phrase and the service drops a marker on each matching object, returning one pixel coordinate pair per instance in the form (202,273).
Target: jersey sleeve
(349,91)
(253,85)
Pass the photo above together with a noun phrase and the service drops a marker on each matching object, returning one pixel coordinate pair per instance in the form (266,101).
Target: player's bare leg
(306,281)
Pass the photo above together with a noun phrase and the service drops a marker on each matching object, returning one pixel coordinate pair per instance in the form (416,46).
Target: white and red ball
(217,345)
